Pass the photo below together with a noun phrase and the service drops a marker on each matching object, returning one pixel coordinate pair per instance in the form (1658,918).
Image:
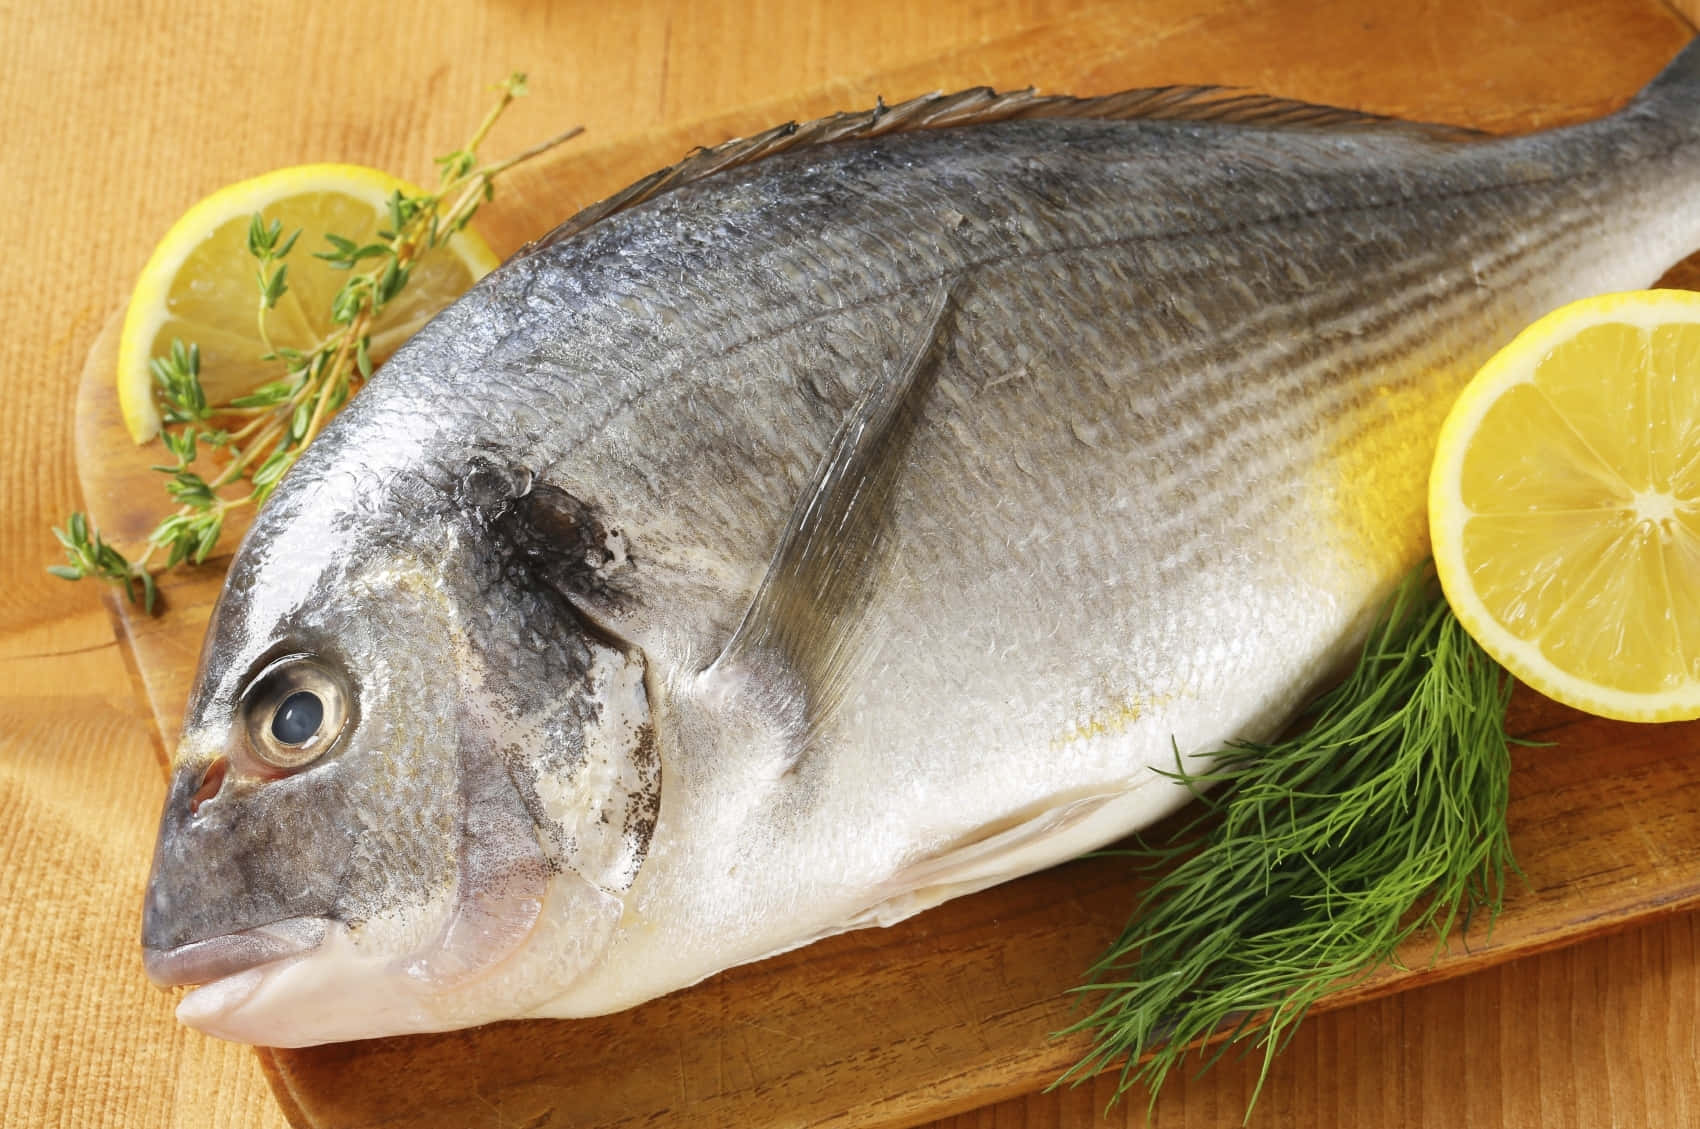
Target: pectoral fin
(803,627)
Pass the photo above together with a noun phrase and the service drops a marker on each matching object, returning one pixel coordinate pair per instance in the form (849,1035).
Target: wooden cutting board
(954,1009)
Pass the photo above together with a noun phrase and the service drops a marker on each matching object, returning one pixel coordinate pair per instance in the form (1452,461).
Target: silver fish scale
(748,316)
(1111,513)
(1169,456)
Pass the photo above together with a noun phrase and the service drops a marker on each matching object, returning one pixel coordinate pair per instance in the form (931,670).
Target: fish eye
(294,711)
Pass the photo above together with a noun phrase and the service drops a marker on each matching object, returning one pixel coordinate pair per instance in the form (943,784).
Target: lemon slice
(199,285)
(1565,506)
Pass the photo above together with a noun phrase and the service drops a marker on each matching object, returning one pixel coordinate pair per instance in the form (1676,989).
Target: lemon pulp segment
(1565,506)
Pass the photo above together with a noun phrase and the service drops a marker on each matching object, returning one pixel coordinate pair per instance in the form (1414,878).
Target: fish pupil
(298,718)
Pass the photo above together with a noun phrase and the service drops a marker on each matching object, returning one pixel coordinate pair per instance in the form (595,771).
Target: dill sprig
(260,434)
(1318,855)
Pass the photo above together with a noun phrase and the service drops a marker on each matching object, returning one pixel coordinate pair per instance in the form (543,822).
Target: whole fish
(842,521)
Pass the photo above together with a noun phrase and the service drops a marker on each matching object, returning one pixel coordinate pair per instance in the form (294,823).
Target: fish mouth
(201,962)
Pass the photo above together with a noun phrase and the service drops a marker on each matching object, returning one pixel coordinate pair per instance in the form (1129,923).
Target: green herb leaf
(189,489)
(389,283)
(1318,855)
(350,300)
(182,444)
(453,166)
(266,395)
(345,254)
(262,238)
(178,377)
(207,535)
(265,429)
(88,554)
(272,469)
(363,356)
(273,286)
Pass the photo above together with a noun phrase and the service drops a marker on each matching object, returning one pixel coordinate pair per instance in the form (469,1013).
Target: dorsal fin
(981,105)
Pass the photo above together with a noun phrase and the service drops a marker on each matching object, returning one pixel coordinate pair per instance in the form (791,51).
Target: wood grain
(887,1027)
(118,115)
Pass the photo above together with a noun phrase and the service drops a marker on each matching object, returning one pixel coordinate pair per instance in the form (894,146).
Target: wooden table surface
(116,116)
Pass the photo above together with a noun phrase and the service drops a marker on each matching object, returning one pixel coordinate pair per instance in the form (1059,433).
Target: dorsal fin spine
(981,105)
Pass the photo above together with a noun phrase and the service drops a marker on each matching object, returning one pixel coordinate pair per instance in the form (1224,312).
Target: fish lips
(201,962)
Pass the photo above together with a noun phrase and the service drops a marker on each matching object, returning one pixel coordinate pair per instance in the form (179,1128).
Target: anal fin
(800,634)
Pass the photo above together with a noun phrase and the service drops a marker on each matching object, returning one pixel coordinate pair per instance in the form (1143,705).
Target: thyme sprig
(1316,856)
(90,555)
(259,434)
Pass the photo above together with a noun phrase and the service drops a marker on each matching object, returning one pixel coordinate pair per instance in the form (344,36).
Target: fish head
(412,784)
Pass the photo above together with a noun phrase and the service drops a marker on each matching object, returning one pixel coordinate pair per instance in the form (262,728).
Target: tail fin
(1678,85)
